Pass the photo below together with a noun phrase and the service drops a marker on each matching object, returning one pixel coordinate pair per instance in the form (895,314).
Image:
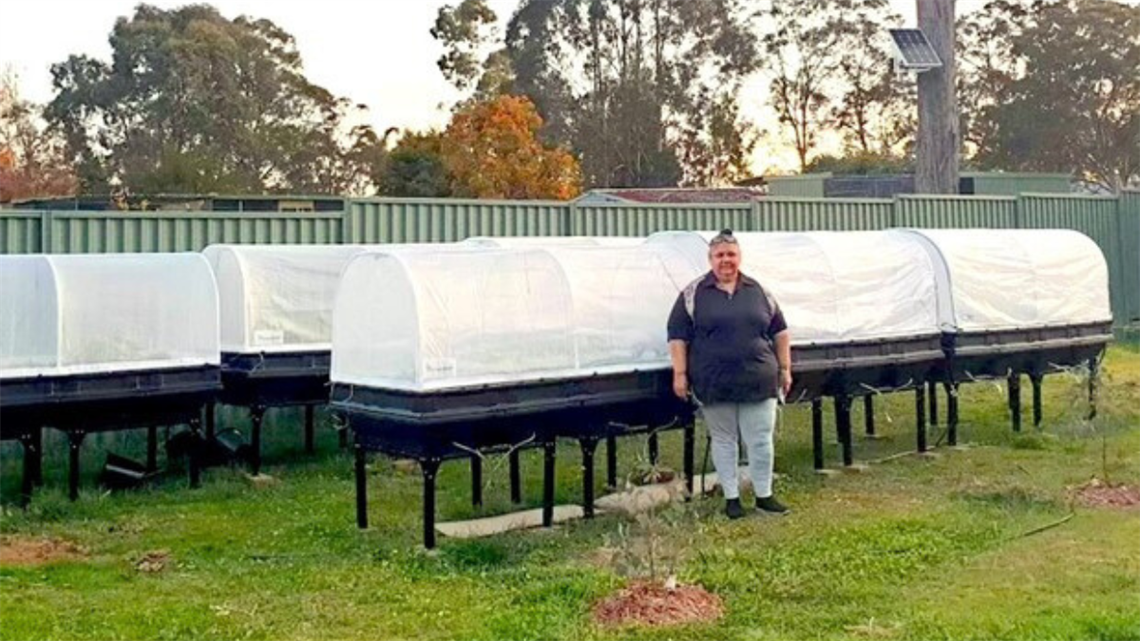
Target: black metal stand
(588,445)
(429,467)
(690,453)
(611,462)
(342,437)
(210,418)
(516,476)
(869,414)
(74,442)
(361,487)
(843,427)
(951,413)
(37,440)
(548,483)
(192,456)
(654,449)
(256,415)
(932,397)
(817,433)
(1093,374)
(152,449)
(476,480)
(1014,386)
(31,459)
(1035,381)
(309,428)
(920,417)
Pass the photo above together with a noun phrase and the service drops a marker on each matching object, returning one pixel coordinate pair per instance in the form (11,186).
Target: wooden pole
(936,155)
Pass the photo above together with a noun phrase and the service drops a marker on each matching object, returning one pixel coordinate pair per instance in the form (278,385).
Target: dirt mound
(654,604)
(155,561)
(1097,493)
(24,551)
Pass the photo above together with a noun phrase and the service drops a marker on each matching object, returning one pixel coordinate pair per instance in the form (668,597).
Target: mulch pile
(653,604)
(1097,493)
(23,551)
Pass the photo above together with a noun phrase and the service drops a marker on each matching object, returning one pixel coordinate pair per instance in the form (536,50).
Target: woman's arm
(679,355)
(784,359)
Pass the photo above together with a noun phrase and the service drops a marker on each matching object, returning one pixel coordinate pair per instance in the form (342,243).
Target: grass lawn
(911,548)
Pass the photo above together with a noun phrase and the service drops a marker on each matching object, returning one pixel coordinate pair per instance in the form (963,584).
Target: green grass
(912,548)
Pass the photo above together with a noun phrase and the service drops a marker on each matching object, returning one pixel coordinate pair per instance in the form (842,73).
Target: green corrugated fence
(1113,222)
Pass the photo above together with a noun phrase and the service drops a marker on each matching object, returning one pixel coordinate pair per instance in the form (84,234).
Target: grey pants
(756,422)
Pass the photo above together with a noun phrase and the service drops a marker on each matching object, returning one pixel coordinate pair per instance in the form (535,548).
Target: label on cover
(268,337)
(439,368)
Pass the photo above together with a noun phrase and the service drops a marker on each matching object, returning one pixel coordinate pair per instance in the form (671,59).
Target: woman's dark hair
(725,236)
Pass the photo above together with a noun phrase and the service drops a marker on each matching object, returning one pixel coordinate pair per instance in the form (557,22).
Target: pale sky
(376,52)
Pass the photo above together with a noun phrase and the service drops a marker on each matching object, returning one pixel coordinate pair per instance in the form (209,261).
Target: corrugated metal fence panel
(805,186)
(803,214)
(1095,217)
(414,220)
(642,220)
(158,231)
(937,212)
(997,183)
(1128,221)
(20,231)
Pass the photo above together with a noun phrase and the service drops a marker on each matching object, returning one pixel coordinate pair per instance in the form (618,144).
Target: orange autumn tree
(491,150)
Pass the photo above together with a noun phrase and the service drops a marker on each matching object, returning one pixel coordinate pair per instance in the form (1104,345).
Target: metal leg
(588,445)
(869,414)
(476,480)
(611,461)
(516,477)
(74,441)
(211,410)
(1035,381)
(843,427)
(192,461)
(29,477)
(342,437)
(654,449)
(429,467)
(309,447)
(361,488)
(1014,386)
(1093,375)
(548,483)
(817,433)
(690,448)
(932,398)
(951,413)
(920,417)
(256,414)
(38,457)
(151,449)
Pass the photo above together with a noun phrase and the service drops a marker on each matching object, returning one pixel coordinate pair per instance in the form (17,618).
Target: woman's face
(724,259)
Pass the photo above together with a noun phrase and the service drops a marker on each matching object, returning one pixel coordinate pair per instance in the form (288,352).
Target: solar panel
(914,50)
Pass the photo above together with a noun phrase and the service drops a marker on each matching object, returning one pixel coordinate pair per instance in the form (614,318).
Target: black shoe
(770,505)
(732,509)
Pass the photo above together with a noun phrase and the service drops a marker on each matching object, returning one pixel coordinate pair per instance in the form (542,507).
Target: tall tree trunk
(936,162)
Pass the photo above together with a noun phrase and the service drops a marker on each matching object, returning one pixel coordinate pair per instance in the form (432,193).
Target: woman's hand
(785,381)
(681,385)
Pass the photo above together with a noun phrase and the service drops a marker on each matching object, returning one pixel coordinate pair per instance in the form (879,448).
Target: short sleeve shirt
(730,340)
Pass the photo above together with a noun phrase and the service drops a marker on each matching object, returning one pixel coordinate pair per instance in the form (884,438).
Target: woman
(728,339)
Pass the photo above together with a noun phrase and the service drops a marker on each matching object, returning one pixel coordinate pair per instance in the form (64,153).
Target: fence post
(46,244)
(754,218)
(570,215)
(1017,205)
(346,231)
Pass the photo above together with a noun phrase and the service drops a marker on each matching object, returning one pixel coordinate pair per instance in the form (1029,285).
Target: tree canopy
(195,102)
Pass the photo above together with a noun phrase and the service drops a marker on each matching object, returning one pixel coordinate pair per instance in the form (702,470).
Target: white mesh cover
(421,322)
(835,286)
(80,314)
(994,279)
(543,242)
(279,298)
